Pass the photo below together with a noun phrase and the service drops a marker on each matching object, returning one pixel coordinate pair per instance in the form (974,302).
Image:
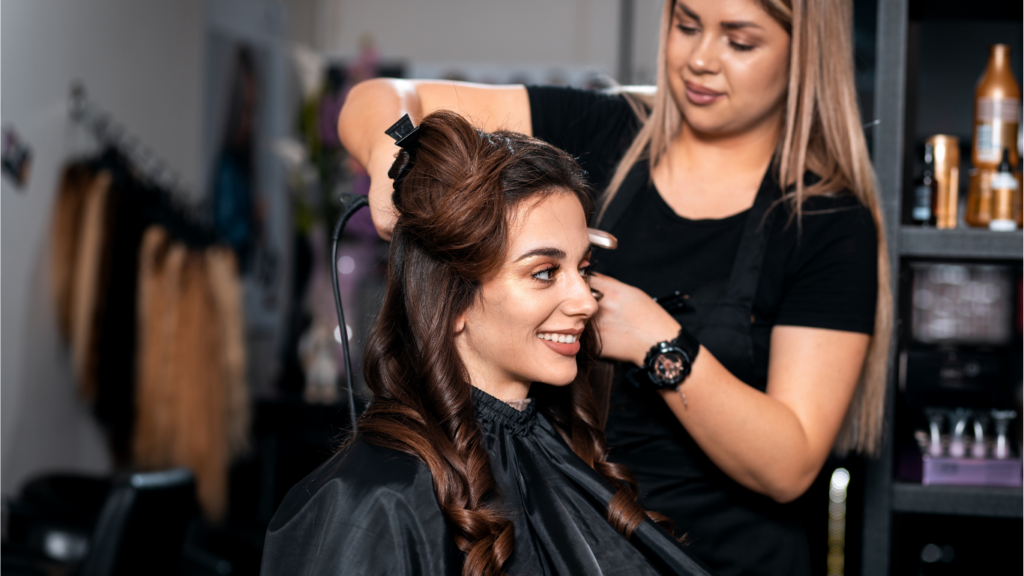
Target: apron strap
(635,180)
(746,269)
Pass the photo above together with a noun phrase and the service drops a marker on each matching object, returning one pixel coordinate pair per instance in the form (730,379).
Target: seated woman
(481,451)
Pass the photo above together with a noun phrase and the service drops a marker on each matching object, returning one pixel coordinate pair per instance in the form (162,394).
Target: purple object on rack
(946,470)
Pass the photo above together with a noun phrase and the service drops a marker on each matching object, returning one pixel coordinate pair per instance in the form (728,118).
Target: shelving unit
(957,500)
(959,243)
(893,147)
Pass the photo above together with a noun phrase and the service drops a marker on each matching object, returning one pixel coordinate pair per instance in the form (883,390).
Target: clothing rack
(146,165)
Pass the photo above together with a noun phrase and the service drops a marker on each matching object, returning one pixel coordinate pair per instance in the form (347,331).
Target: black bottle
(924,190)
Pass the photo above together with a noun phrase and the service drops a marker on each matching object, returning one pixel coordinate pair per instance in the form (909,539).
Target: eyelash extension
(741,47)
(586,270)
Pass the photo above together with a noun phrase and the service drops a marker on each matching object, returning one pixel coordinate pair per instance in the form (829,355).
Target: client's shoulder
(360,475)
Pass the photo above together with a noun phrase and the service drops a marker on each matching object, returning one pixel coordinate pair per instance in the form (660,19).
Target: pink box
(947,470)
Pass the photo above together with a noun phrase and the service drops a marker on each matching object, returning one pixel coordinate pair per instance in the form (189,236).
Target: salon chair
(138,529)
(142,525)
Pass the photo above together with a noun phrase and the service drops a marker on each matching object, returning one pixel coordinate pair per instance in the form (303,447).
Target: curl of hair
(454,202)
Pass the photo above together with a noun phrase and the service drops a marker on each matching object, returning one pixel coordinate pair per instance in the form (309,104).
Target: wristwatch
(667,363)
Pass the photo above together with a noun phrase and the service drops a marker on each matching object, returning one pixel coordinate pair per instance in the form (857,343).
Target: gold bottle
(997,110)
(979,197)
(1018,199)
(946,151)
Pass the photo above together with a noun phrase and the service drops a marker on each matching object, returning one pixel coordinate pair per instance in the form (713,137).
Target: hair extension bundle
(200,439)
(222,268)
(192,395)
(65,226)
(89,273)
(159,273)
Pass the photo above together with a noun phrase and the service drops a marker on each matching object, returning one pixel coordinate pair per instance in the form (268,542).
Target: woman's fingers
(630,321)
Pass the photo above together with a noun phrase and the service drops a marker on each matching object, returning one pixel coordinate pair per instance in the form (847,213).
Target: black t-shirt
(820,272)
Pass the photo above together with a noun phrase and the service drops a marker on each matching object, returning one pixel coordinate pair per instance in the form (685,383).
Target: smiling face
(528,316)
(727,64)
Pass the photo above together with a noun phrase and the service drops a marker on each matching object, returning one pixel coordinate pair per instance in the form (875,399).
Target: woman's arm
(774,442)
(372,106)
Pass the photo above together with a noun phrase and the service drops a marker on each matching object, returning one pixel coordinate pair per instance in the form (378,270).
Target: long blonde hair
(822,133)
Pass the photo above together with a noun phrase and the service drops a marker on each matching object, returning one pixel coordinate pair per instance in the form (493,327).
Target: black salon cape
(371,510)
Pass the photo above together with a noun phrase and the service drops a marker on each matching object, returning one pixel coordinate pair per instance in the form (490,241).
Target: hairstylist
(743,199)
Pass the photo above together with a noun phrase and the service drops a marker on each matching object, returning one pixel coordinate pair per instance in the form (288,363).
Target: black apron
(732,529)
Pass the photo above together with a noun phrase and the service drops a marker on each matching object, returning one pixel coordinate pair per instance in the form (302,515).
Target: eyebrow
(686,10)
(547,252)
(731,25)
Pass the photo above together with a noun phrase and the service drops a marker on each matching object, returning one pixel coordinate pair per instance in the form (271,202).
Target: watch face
(669,367)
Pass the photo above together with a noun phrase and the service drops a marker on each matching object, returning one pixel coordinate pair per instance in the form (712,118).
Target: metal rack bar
(145,162)
(981,501)
(890,86)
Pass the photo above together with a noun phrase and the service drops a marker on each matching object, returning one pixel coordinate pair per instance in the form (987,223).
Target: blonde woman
(747,306)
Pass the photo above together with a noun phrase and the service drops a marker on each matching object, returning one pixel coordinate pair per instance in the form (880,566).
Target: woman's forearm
(370,108)
(774,442)
(758,441)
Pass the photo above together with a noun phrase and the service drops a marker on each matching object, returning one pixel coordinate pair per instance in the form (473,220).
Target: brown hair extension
(222,269)
(192,399)
(64,229)
(200,440)
(91,263)
(160,265)
(454,200)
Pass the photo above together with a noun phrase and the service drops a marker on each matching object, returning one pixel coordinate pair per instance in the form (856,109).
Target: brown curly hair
(454,197)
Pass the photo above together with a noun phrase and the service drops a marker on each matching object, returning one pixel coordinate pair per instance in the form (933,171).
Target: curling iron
(350,204)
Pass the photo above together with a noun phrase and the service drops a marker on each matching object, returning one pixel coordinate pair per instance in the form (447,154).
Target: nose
(580,300)
(704,58)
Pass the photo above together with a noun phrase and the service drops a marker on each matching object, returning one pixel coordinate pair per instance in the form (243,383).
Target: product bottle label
(922,211)
(993,115)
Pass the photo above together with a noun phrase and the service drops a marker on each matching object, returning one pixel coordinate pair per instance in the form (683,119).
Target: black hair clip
(674,302)
(404,133)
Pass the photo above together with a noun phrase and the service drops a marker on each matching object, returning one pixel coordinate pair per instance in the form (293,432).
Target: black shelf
(961,243)
(978,501)
(958,10)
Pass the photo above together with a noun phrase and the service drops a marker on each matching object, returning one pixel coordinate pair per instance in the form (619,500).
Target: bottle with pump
(996,111)
(924,190)
(1004,189)
(996,122)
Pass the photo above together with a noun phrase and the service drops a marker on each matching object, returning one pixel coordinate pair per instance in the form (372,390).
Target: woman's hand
(630,321)
(373,105)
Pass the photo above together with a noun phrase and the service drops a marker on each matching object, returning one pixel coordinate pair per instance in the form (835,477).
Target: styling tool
(602,239)
(350,204)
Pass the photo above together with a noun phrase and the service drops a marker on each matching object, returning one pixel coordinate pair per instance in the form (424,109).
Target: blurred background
(171,362)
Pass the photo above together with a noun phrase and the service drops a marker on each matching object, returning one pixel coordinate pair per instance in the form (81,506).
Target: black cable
(350,204)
